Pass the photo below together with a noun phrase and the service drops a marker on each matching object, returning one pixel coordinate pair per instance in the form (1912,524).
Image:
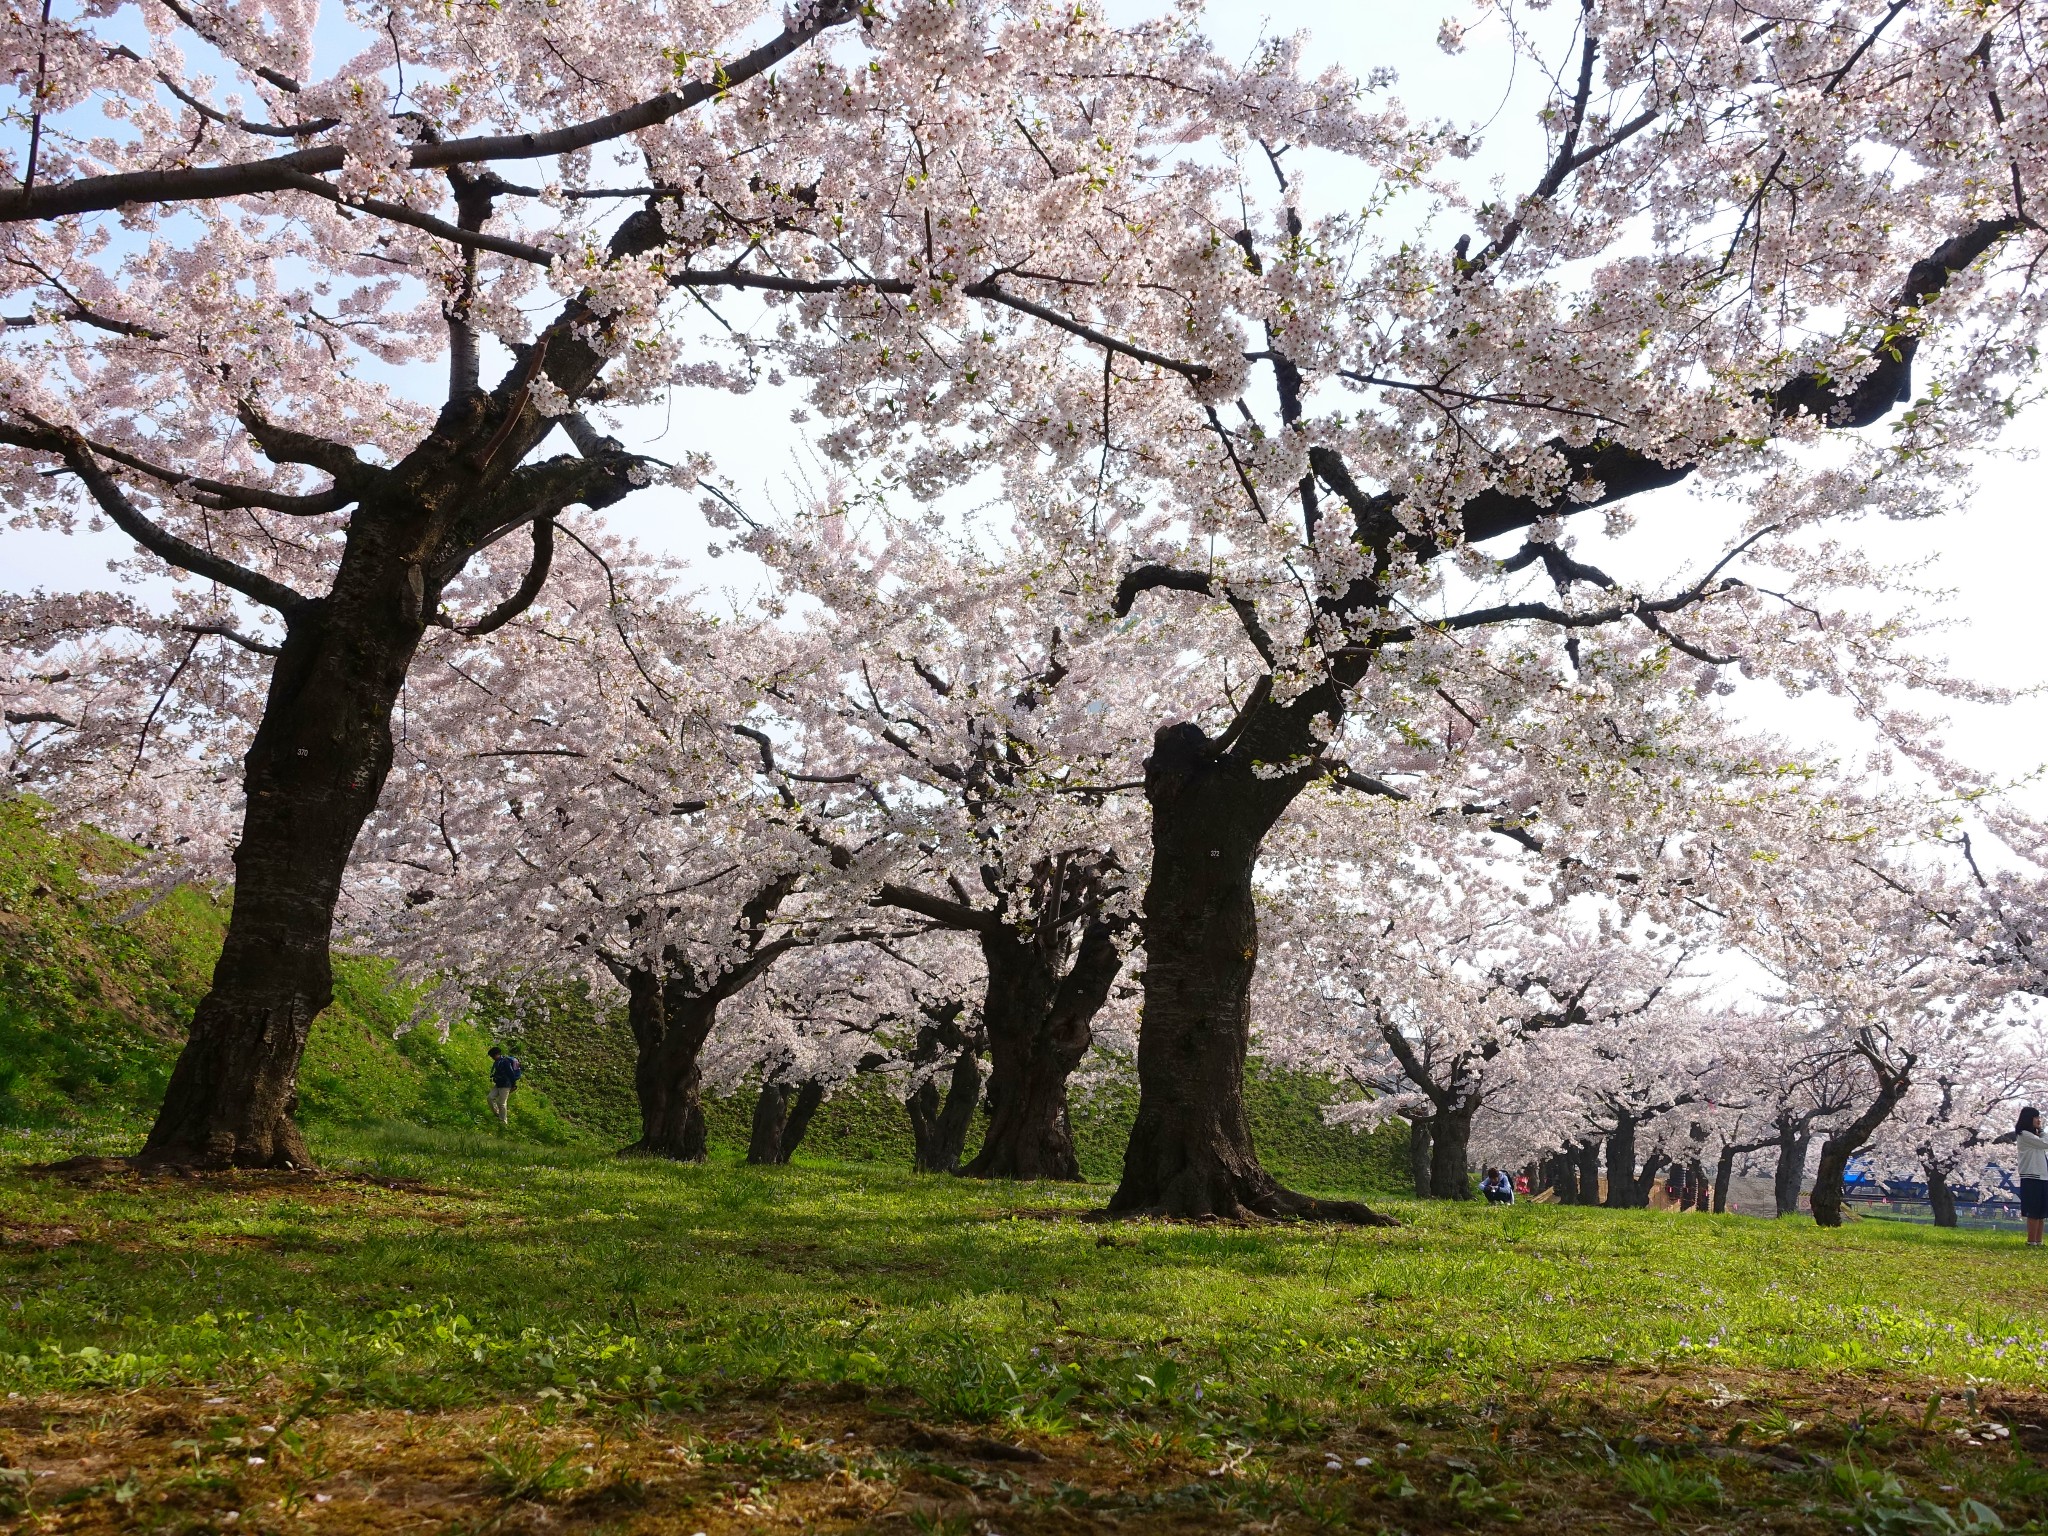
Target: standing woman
(2033,1173)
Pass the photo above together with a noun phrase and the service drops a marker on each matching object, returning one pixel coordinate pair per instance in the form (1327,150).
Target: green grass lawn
(495,1300)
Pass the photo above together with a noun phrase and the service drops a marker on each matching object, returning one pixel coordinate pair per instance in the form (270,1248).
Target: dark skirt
(2034,1199)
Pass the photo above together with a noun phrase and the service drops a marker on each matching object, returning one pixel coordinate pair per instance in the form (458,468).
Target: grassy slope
(92,1009)
(1515,1349)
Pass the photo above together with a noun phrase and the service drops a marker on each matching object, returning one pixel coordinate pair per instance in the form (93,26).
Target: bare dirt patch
(318,1186)
(1614,1451)
(37,1234)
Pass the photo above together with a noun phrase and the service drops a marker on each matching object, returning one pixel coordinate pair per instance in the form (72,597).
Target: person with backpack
(505,1074)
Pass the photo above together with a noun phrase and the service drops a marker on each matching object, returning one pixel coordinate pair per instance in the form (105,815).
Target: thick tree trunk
(312,776)
(771,1113)
(1419,1138)
(670,1026)
(1621,1165)
(1793,1144)
(782,1113)
(1836,1151)
(1941,1196)
(322,750)
(1724,1174)
(1039,1025)
(1190,1153)
(1450,1158)
(1827,1182)
(1587,1155)
(939,1122)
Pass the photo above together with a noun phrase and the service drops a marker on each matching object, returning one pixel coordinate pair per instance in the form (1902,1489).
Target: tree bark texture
(1836,1151)
(1419,1138)
(1587,1155)
(1794,1141)
(312,776)
(1826,1201)
(771,1112)
(1724,1175)
(1621,1165)
(939,1122)
(1450,1153)
(1039,1025)
(1190,1153)
(670,1026)
(1941,1196)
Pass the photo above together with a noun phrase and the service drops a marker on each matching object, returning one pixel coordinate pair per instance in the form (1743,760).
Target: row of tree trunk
(670,1025)
(1573,1173)
(1440,1164)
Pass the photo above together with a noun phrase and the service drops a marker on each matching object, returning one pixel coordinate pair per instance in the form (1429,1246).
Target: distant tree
(587,792)
(967,687)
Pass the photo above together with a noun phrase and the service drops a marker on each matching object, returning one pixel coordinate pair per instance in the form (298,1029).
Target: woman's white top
(2033,1155)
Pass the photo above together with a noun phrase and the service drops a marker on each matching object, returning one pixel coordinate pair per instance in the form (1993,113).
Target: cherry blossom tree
(1001,236)
(1892,995)
(831,1014)
(1473,931)
(1877,990)
(1706,277)
(1003,729)
(237,267)
(1945,1132)
(588,790)
(114,716)
(1451,977)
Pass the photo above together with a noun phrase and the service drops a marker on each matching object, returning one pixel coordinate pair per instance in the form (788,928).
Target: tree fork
(670,1026)
(1892,1086)
(939,1125)
(1190,1154)
(1038,1025)
(782,1113)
